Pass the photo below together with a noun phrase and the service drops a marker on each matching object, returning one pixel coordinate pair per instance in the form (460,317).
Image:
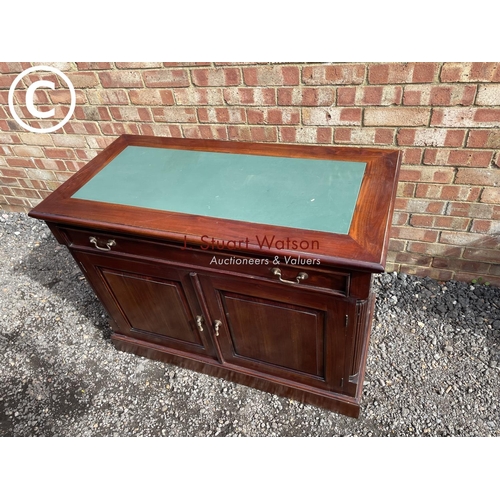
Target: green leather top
(292,192)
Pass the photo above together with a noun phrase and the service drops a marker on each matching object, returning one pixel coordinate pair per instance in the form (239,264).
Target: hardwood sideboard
(247,261)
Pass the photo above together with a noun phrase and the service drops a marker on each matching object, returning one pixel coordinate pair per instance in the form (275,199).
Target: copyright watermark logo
(30,93)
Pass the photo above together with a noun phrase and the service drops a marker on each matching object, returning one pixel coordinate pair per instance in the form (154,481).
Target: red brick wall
(445,118)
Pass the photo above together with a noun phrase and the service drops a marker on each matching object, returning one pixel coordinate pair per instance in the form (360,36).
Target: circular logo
(30,95)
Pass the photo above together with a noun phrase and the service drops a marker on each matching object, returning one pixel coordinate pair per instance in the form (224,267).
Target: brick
(334,74)
(151,97)
(412,156)
(174,114)
(306,96)
(161,130)
(308,135)
(484,139)
(482,255)
(391,267)
(250,96)
(74,166)
(439,95)
(59,153)
(414,205)
(271,75)
(131,114)
(121,79)
(331,116)
(257,134)
(399,117)
(412,233)
(430,137)
(465,117)
(491,195)
(99,142)
(83,79)
(107,96)
(84,154)
(60,65)
(30,151)
(216,77)
(478,177)
(138,65)
(405,189)
(25,193)
(11,67)
(218,132)
(473,210)
(487,115)
(369,96)
(494,270)
(469,239)
(415,259)
(63,176)
(189,64)
(470,72)
(93,113)
(437,274)
(10,181)
(434,249)
(460,193)
(37,139)
(14,172)
(202,96)
(439,222)
(485,226)
(49,164)
(364,135)
(460,265)
(400,218)
(10,139)
(396,245)
(488,95)
(166,78)
(69,141)
(93,65)
(73,127)
(6,81)
(402,73)
(221,115)
(116,129)
(460,157)
(276,116)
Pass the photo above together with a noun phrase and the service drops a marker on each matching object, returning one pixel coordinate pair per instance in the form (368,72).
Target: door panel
(275,329)
(297,340)
(151,305)
(156,303)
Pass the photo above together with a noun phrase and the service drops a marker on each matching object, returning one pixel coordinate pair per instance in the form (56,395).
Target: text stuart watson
(270,242)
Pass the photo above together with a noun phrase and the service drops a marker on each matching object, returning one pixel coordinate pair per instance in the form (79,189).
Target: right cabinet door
(279,330)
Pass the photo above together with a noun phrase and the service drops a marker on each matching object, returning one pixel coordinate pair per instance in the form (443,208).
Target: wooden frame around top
(364,247)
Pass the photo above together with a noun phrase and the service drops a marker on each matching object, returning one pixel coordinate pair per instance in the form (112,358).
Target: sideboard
(247,261)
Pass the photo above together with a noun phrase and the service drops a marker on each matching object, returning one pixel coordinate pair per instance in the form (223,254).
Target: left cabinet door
(151,302)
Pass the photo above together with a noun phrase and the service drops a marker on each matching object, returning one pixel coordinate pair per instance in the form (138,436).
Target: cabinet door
(150,302)
(279,330)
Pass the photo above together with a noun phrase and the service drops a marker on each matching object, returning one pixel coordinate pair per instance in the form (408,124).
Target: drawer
(294,270)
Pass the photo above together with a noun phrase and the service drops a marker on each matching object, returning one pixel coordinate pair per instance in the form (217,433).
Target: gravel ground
(433,365)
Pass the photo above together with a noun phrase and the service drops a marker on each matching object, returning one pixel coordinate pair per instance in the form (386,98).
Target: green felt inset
(292,192)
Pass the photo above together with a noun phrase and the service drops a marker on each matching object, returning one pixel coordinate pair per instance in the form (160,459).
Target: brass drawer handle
(217,325)
(300,277)
(109,244)
(199,323)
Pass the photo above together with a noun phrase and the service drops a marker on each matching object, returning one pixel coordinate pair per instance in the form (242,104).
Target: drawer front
(295,270)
